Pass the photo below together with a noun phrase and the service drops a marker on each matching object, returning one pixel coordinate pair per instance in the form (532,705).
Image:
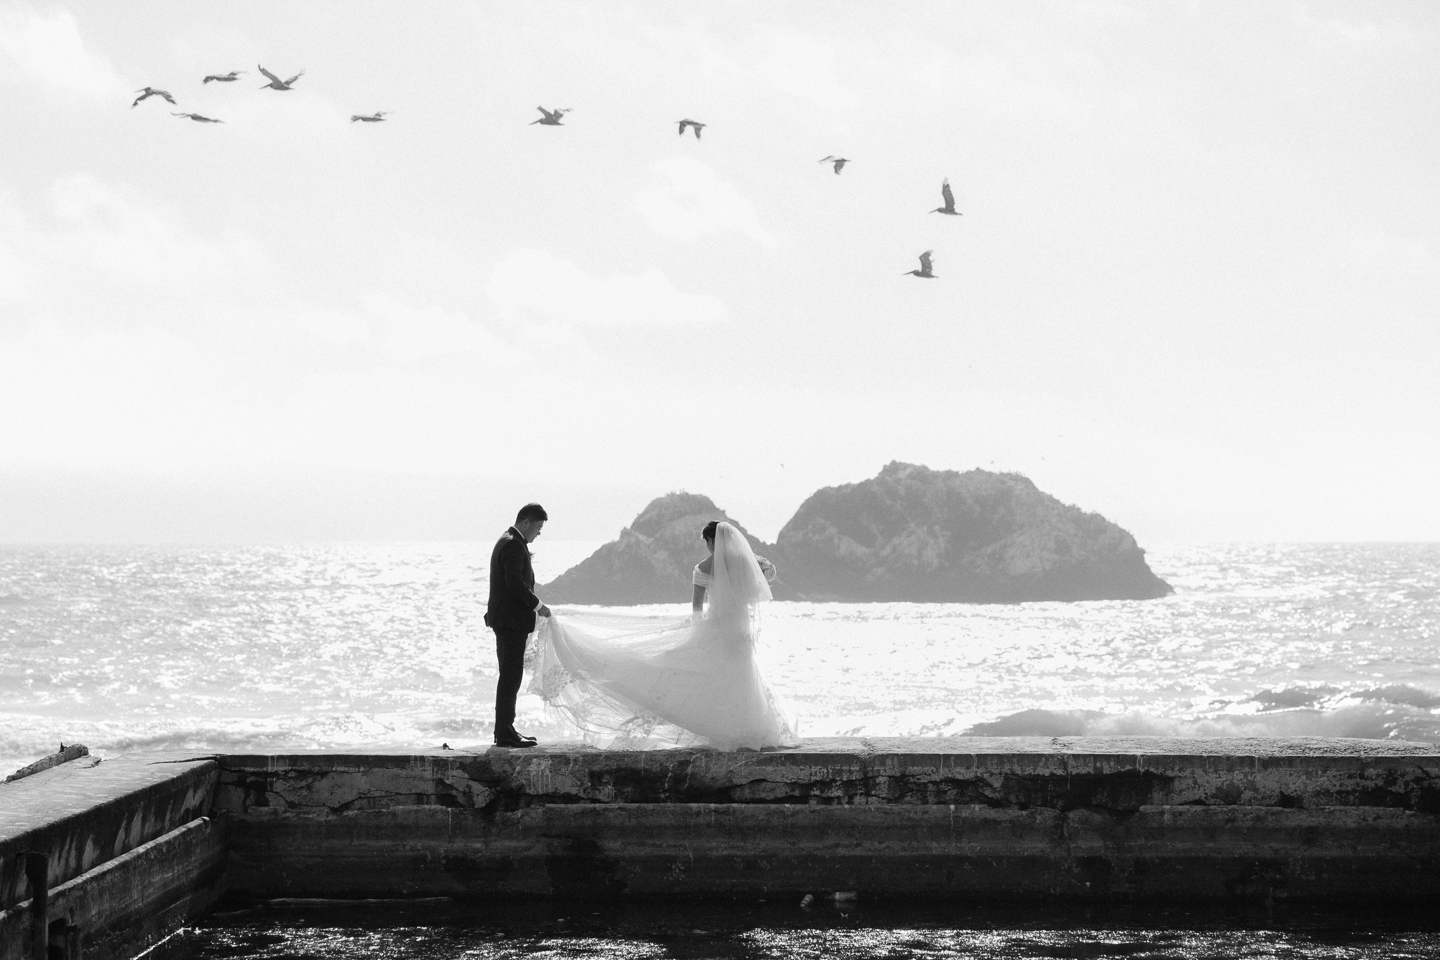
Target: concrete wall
(962,817)
(131,902)
(85,812)
(138,847)
(132,854)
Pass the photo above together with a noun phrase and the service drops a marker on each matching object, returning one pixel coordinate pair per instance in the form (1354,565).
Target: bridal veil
(630,681)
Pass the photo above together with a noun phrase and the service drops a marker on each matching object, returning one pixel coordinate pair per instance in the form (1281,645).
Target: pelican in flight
(696,124)
(551,118)
(197,118)
(223,77)
(949,200)
(838,161)
(924,270)
(152,92)
(377,117)
(275,82)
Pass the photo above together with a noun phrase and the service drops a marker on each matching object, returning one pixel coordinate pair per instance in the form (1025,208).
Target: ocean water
(786,931)
(240,648)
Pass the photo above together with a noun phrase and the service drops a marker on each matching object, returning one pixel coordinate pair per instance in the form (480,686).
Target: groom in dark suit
(511,613)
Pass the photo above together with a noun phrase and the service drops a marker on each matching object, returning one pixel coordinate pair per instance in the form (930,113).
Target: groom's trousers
(510,650)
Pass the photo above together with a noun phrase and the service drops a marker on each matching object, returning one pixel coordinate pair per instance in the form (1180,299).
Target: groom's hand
(544,611)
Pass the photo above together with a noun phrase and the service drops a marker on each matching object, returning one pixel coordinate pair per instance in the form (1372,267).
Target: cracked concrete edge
(281,790)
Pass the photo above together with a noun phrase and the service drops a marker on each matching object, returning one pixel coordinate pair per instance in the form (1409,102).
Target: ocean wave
(1401,693)
(1375,720)
(1324,696)
(24,739)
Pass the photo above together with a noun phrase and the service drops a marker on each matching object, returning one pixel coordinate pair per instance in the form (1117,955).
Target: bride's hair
(709,532)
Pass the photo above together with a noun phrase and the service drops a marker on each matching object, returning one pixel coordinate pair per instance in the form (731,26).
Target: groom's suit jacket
(513,602)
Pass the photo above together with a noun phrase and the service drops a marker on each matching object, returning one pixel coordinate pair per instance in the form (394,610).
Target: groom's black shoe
(510,738)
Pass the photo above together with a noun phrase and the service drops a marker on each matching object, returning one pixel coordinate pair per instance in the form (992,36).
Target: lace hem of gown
(633,682)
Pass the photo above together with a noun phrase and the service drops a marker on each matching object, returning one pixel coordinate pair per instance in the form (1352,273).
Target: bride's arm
(697,603)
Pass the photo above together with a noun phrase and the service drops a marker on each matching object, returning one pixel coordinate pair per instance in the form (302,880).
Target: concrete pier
(133,848)
(1100,818)
(86,812)
(131,852)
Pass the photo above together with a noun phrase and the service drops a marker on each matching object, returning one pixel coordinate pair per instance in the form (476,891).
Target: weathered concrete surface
(1098,817)
(132,901)
(758,849)
(86,812)
(64,755)
(1118,774)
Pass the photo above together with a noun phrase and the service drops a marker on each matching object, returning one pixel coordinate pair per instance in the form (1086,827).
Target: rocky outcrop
(911,533)
(925,535)
(652,560)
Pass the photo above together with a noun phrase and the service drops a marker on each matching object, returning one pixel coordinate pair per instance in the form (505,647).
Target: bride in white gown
(630,682)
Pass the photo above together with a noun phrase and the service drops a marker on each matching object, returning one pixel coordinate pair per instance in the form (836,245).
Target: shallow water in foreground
(752,931)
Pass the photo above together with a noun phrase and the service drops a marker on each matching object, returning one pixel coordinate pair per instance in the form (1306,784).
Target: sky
(1195,285)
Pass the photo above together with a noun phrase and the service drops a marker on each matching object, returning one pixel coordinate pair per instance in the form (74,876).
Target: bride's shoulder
(706,566)
(702,576)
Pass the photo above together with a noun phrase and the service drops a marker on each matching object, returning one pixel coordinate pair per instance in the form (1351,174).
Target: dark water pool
(786,931)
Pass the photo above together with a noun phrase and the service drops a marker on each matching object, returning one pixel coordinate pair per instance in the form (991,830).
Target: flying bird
(197,118)
(551,118)
(223,77)
(949,200)
(696,124)
(838,161)
(377,117)
(275,82)
(924,270)
(152,92)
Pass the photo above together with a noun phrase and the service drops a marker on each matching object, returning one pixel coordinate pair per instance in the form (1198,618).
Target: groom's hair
(709,532)
(531,511)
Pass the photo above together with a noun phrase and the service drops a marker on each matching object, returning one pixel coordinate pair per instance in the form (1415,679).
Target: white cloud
(546,286)
(1393,253)
(11,275)
(12,268)
(76,397)
(378,382)
(132,239)
(297,326)
(424,334)
(111,238)
(805,67)
(776,61)
(692,202)
(50,49)
(1351,31)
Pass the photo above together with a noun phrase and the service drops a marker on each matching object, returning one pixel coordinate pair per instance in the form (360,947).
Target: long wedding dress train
(631,682)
